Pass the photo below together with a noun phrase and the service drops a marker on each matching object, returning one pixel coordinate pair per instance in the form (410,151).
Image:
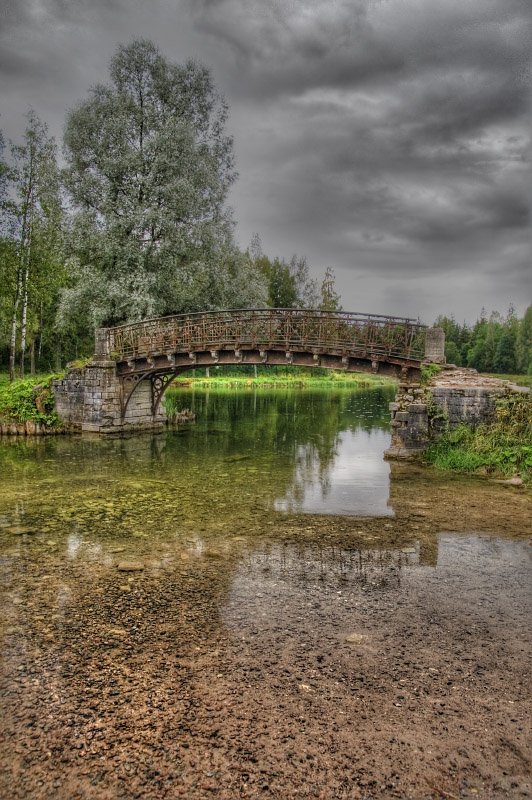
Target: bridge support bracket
(159,384)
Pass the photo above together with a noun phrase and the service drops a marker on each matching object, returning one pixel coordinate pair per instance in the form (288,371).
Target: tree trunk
(24,324)
(39,333)
(32,358)
(14,321)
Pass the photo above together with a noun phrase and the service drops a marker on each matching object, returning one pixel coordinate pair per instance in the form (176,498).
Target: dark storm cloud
(385,138)
(396,133)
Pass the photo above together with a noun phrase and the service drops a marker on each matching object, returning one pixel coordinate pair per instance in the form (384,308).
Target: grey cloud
(285,49)
(387,140)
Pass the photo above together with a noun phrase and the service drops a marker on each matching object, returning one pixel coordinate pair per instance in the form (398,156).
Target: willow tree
(149,167)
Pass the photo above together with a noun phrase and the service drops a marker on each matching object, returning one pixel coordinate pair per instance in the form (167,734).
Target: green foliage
(519,380)
(428,371)
(496,344)
(329,298)
(149,166)
(503,447)
(29,399)
(32,267)
(452,353)
(280,376)
(524,343)
(288,283)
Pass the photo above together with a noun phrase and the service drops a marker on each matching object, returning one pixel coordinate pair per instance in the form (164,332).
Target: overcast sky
(387,139)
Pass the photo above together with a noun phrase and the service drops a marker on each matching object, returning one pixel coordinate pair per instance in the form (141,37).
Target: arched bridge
(157,350)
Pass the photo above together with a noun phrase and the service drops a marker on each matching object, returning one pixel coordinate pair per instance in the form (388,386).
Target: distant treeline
(493,344)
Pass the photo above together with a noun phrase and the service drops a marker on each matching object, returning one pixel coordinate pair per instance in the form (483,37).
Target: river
(259,605)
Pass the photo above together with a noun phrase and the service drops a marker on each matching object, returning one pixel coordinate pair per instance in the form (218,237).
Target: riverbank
(502,449)
(275,377)
(216,647)
(498,447)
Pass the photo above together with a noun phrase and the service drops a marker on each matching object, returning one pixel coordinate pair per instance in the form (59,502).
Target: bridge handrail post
(435,345)
(102,348)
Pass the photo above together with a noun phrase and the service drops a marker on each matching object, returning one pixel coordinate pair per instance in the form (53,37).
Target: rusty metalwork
(159,349)
(159,384)
(373,337)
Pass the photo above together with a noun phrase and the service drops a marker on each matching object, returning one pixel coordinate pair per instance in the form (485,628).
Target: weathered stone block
(417,408)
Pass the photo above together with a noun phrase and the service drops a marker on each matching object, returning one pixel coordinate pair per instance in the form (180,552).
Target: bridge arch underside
(161,369)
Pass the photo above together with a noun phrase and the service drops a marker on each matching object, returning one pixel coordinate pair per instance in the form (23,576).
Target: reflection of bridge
(142,358)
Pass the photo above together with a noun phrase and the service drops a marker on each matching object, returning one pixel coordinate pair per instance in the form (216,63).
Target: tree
(452,353)
(149,166)
(3,182)
(330,299)
(524,343)
(289,284)
(33,256)
(504,359)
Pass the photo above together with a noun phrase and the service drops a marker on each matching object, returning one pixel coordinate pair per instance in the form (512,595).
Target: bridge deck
(344,334)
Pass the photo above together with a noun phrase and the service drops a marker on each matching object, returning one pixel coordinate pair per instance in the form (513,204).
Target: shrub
(29,399)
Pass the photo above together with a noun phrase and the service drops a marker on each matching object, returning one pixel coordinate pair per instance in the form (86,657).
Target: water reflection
(155,605)
(355,481)
(307,451)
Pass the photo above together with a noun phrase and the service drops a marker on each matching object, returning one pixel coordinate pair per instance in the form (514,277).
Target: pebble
(130,566)
(355,638)
(19,530)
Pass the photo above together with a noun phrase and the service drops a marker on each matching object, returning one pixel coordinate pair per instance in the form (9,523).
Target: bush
(29,399)
(503,447)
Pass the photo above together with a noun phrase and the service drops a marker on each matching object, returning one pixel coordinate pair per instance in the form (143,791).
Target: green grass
(520,380)
(283,377)
(28,399)
(502,448)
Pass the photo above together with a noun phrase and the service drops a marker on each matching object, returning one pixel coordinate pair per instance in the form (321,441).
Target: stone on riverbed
(355,638)
(130,566)
(20,530)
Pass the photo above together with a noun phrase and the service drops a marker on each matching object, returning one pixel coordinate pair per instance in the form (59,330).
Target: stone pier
(454,397)
(90,400)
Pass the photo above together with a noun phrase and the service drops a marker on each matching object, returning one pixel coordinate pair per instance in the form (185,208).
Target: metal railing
(292,330)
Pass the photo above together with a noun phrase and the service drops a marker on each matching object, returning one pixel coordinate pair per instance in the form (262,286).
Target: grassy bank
(28,400)
(520,380)
(281,377)
(500,449)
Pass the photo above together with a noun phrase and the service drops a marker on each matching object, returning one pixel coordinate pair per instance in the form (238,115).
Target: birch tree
(34,211)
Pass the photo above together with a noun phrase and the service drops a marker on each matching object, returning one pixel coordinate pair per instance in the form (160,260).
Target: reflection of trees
(305,424)
(245,449)
(301,429)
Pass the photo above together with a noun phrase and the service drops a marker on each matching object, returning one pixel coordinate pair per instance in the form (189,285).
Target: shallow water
(155,589)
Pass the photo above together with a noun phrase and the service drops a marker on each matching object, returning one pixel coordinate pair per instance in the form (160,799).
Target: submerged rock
(130,566)
(514,481)
(20,530)
(355,638)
